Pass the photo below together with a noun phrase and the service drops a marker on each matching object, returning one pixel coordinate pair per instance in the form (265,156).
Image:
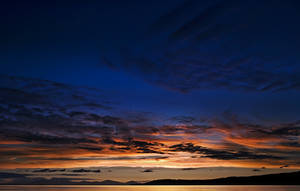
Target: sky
(141,90)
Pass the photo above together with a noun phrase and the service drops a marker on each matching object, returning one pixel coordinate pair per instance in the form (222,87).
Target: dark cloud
(4,175)
(183,119)
(52,121)
(9,178)
(92,149)
(187,129)
(148,170)
(220,154)
(24,179)
(44,95)
(220,44)
(86,170)
(48,125)
(290,144)
(120,149)
(189,168)
(44,181)
(286,134)
(94,158)
(49,170)
(290,130)
(72,174)
(140,146)
(38,137)
(138,158)
(256,170)
(285,166)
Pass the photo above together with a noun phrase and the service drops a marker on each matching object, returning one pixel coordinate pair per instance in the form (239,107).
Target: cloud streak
(220,44)
(38,132)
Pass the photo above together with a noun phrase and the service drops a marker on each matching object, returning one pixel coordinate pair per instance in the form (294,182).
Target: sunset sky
(141,90)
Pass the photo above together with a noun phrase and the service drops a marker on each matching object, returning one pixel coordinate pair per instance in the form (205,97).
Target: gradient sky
(149,86)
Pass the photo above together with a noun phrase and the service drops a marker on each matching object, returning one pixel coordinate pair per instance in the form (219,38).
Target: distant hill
(132,183)
(105,182)
(292,178)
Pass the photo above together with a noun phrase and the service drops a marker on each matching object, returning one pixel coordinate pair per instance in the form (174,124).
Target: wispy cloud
(42,130)
(220,44)
(47,170)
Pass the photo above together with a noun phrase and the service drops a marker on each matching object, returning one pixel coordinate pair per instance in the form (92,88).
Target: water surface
(150,188)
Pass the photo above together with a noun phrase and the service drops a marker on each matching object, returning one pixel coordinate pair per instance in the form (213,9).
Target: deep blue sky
(66,42)
(180,83)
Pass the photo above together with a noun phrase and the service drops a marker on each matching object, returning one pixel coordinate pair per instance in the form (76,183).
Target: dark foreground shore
(292,178)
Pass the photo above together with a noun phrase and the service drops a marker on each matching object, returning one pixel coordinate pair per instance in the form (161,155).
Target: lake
(150,188)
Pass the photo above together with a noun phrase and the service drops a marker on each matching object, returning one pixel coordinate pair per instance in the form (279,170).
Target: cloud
(86,170)
(92,149)
(183,119)
(256,170)
(284,166)
(49,131)
(131,144)
(4,175)
(69,174)
(221,154)
(95,158)
(148,170)
(44,181)
(220,45)
(42,138)
(9,178)
(189,168)
(49,170)
(291,144)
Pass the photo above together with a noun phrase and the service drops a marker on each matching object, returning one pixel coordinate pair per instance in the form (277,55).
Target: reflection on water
(150,188)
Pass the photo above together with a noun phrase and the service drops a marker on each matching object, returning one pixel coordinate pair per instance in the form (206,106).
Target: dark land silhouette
(292,178)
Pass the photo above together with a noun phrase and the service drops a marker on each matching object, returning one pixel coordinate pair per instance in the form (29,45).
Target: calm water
(150,188)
